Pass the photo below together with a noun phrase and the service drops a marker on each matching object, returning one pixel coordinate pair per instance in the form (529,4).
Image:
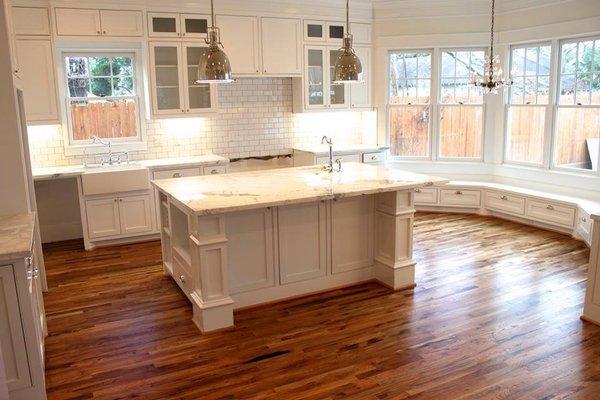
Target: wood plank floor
(495,315)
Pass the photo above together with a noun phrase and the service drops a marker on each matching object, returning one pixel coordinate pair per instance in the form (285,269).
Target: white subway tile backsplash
(254,119)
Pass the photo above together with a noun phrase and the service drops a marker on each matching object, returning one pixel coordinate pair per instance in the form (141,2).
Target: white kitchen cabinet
(324,31)
(240,38)
(122,23)
(12,339)
(8,12)
(38,80)
(460,198)
(551,213)
(135,214)
(360,92)
(426,196)
(281,46)
(505,202)
(315,90)
(351,233)
(93,22)
(302,238)
(31,21)
(77,22)
(173,68)
(103,217)
(175,25)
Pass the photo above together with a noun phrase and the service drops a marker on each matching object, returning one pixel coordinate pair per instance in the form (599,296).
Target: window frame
(556,106)
(135,97)
(389,106)
(434,106)
(548,115)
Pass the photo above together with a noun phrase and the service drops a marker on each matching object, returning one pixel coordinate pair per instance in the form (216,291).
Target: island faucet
(111,158)
(325,139)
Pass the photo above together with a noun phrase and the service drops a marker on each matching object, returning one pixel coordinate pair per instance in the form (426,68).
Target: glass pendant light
(214,65)
(491,80)
(347,67)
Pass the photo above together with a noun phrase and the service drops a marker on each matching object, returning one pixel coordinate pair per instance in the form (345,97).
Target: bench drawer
(214,170)
(176,173)
(426,196)
(460,198)
(368,158)
(505,202)
(551,213)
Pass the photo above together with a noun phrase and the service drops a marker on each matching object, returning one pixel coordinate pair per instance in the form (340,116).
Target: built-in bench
(546,210)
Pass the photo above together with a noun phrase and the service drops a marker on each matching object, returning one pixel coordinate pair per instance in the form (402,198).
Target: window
(101,97)
(577,125)
(528,101)
(409,103)
(460,105)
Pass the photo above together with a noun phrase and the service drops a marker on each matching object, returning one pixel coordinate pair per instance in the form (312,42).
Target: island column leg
(394,214)
(212,306)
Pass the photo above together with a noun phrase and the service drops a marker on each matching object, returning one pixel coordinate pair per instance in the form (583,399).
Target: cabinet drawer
(214,170)
(426,196)
(373,157)
(584,226)
(552,213)
(505,202)
(176,173)
(460,198)
(181,274)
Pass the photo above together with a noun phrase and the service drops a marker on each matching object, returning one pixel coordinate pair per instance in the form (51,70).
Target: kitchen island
(236,240)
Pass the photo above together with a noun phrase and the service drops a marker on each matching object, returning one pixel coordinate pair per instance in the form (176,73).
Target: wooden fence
(106,119)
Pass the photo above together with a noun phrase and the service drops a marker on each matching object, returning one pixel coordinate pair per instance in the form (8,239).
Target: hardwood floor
(495,315)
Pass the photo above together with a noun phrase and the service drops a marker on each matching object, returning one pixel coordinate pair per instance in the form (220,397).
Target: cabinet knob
(214,171)
(458,192)
(550,207)
(183,34)
(188,110)
(583,219)
(504,197)
(116,200)
(104,32)
(417,190)
(257,71)
(36,273)
(178,34)
(182,110)
(120,200)
(16,71)
(176,175)
(98,32)
(373,157)
(182,278)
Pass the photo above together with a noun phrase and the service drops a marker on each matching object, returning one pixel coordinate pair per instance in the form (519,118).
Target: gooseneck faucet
(328,140)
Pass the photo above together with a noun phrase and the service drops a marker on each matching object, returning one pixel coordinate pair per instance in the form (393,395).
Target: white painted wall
(439,23)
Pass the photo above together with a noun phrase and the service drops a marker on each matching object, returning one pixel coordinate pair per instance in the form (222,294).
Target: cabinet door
(163,25)
(12,340)
(199,97)
(194,25)
(77,22)
(302,242)
(281,46)
(314,31)
(351,233)
(360,92)
(337,93)
(135,213)
(103,217)
(165,59)
(31,21)
(122,23)
(315,77)
(8,12)
(39,85)
(239,35)
(336,31)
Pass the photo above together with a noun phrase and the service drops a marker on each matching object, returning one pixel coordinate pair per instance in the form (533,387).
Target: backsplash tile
(254,119)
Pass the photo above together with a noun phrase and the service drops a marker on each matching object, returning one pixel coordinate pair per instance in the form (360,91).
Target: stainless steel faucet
(328,140)
(111,158)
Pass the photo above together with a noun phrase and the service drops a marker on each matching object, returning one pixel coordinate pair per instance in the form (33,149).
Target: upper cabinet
(281,46)
(32,21)
(240,38)
(360,92)
(323,31)
(91,22)
(175,25)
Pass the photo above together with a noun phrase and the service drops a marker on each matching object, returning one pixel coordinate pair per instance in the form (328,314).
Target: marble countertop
(16,235)
(215,194)
(68,171)
(322,150)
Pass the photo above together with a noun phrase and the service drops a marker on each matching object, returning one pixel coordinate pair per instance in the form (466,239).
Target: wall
(254,119)
(465,23)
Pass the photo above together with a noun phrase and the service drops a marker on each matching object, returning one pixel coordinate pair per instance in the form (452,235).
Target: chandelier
(491,80)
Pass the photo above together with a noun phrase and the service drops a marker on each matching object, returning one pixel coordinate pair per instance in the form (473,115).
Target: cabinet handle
(373,157)
(36,273)
(214,171)
(417,190)
(550,207)
(504,197)
(176,175)
(458,192)
(28,261)
(182,278)
(583,219)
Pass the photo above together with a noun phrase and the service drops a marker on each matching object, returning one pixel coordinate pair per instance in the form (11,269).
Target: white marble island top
(216,194)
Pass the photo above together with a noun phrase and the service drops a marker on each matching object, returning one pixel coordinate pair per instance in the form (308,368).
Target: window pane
(568,58)
(596,89)
(106,119)
(577,133)
(567,89)
(461,130)
(77,66)
(405,69)
(530,73)
(409,131)
(457,69)
(424,65)
(79,87)
(448,64)
(99,66)
(531,61)
(122,66)
(544,62)
(123,86)
(100,87)
(525,140)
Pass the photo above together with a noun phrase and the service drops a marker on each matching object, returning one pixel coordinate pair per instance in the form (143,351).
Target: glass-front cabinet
(319,89)
(174,25)
(173,75)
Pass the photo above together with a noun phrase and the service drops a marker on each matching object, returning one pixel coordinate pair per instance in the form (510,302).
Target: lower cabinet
(119,216)
(351,233)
